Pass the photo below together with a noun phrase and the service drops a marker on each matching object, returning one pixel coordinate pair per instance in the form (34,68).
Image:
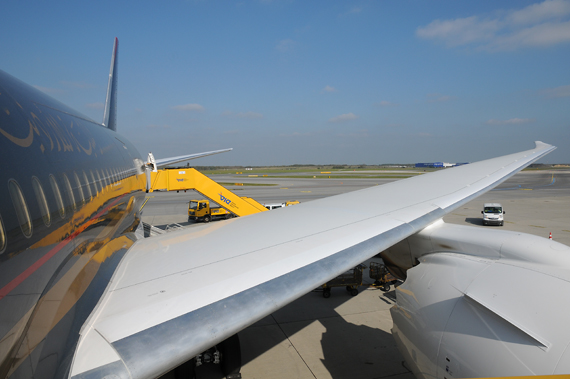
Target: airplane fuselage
(70,194)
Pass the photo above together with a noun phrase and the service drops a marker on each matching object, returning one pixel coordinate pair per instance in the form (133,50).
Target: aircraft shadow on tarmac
(349,349)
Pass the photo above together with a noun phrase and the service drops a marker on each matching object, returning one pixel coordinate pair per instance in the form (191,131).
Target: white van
(493,214)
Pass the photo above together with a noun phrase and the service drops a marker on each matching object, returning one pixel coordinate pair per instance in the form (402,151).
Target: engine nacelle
(484,303)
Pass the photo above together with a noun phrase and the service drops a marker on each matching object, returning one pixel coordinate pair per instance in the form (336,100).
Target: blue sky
(286,82)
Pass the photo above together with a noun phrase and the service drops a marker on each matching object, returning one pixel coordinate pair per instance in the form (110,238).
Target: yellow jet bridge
(182,179)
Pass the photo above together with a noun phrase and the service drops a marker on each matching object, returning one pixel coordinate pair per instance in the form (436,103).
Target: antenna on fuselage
(110,115)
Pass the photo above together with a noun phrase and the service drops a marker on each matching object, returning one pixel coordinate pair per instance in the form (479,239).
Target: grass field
(333,176)
(313,170)
(247,184)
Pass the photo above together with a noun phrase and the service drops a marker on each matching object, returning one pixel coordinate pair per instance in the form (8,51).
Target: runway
(344,336)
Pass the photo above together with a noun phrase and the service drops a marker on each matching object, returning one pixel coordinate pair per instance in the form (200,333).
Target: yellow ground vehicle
(200,210)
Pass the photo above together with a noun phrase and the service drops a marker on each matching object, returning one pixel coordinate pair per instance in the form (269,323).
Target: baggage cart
(381,275)
(350,280)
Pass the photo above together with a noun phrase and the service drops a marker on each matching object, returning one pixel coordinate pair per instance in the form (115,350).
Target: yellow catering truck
(200,210)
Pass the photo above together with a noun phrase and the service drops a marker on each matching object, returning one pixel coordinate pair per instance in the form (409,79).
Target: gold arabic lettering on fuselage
(59,136)
(23,142)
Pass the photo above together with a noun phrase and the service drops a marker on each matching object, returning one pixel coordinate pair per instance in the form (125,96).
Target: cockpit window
(42,202)
(21,208)
(57,194)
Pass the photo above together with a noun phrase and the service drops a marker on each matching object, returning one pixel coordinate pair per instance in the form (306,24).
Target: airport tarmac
(345,336)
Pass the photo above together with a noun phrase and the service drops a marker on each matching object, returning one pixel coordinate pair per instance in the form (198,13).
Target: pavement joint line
(297,351)
(394,375)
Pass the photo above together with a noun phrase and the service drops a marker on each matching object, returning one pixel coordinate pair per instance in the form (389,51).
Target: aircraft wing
(175,295)
(181,158)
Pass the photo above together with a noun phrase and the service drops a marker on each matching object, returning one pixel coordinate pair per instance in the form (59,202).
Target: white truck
(280,205)
(493,214)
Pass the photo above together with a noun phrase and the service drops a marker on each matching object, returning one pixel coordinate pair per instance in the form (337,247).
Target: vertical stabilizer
(110,116)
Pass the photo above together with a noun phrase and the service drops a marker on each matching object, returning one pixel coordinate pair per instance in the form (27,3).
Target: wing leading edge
(173,296)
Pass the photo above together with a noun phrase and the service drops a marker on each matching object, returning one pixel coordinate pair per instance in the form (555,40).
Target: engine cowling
(483,303)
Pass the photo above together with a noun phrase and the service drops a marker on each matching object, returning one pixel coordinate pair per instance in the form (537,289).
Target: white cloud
(355,10)
(540,12)
(95,105)
(537,25)
(541,35)
(344,117)
(460,31)
(512,121)
(188,107)
(562,91)
(49,91)
(385,103)
(285,45)
(329,89)
(438,98)
(248,115)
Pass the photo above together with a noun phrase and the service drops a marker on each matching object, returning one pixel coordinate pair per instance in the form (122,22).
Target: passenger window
(57,194)
(87,187)
(41,198)
(94,183)
(100,181)
(70,195)
(79,189)
(21,208)
(2,236)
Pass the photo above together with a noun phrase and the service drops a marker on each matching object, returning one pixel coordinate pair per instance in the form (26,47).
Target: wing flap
(176,295)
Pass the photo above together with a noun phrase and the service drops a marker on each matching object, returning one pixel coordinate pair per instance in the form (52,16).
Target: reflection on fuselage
(59,242)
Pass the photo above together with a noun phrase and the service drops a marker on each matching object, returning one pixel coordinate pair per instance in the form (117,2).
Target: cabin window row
(78,188)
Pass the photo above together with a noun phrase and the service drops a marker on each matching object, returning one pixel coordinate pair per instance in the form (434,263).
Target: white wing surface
(175,295)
